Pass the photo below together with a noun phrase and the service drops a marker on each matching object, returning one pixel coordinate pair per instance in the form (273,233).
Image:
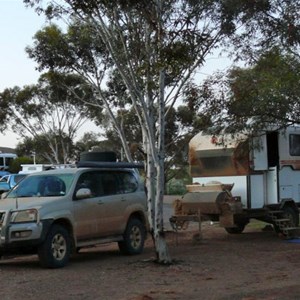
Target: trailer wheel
(290,213)
(236,230)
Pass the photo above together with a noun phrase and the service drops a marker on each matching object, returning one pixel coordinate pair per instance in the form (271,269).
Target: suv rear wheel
(134,238)
(55,251)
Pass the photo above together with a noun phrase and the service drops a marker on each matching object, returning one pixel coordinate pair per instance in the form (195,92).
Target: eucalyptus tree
(47,111)
(258,26)
(154,47)
(39,148)
(253,98)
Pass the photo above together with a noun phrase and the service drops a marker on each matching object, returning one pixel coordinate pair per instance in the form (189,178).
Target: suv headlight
(23,216)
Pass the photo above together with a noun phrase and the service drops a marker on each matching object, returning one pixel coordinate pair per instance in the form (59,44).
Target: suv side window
(117,182)
(101,183)
(110,183)
(104,183)
(90,180)
(128,182)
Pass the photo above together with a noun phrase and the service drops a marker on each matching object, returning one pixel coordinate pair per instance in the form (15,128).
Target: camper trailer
(236,179)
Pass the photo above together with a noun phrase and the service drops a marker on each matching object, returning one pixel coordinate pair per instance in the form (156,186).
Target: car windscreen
(19,177)
(43,186)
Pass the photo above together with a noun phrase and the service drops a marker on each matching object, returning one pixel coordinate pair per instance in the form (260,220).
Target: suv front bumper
(23,235)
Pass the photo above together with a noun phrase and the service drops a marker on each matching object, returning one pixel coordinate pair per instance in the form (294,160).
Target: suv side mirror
(83,193)
(3,195)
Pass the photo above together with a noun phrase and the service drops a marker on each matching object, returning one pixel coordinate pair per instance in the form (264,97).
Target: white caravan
(235,180)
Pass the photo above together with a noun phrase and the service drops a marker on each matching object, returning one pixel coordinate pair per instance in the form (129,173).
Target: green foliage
(131,24)
(50,109)
(175,187)
(53,45)
(262,25)
(253,98)
(177,184)
(15,165)
(40,147)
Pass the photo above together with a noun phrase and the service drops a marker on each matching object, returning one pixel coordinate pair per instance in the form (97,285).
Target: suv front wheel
(134,237)
(55,251)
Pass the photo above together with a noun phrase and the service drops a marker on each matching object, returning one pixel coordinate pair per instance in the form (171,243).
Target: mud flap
(227,220)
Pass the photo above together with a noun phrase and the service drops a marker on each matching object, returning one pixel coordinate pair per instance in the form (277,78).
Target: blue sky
(18,25)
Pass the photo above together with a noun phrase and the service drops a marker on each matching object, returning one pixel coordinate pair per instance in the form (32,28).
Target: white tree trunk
(155,196)
(155,171)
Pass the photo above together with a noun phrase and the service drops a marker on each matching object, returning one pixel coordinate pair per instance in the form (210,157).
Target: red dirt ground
(255,265)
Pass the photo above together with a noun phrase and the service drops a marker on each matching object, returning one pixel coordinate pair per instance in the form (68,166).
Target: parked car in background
(2,173)
(7,182)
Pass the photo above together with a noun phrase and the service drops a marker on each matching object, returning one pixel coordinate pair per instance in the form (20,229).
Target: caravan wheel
(291,213)
(236,230)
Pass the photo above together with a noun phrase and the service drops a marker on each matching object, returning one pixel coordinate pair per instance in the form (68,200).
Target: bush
(176,187)
(15,165)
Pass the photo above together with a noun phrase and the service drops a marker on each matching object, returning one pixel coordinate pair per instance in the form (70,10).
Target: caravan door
(259,153)
(266,159)
(272,185)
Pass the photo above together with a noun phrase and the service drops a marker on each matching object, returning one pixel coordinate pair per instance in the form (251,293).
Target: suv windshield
(43,186)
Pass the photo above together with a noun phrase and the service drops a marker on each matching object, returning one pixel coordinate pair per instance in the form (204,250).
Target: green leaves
(52,108)
(51,49)
(253,98)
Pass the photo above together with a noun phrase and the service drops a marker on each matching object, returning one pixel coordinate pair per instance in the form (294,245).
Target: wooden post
(197,238)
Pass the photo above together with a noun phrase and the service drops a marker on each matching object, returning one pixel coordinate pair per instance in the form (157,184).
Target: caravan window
(294,140)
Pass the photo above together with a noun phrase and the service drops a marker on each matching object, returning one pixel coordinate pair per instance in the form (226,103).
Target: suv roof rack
(105,164)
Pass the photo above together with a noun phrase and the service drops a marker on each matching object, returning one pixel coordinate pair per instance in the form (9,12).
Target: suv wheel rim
(59,247)
(135,237)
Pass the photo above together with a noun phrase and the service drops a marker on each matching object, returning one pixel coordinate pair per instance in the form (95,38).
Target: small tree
(48,112)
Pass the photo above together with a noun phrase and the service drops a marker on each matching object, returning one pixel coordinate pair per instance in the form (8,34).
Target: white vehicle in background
(32,168)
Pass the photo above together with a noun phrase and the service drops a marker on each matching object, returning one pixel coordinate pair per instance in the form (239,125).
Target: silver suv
(55,213)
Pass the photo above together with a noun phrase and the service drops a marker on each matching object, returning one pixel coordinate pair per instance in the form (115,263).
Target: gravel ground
(254,265)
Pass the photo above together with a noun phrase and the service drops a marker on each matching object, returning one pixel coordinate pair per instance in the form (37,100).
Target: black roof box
(98,156)
(105,159)
(107,164)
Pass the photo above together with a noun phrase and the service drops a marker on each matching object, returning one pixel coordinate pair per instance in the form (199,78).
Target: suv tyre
(56,249)
(134,237)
